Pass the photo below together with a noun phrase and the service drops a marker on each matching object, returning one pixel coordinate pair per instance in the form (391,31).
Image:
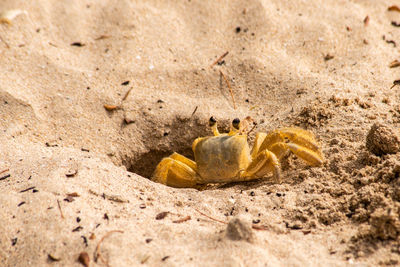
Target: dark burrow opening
(179,138)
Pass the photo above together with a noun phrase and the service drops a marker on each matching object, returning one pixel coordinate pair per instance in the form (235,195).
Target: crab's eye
(235,123)
(212,121)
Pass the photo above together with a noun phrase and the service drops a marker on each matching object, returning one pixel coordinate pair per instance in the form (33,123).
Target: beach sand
(77,174)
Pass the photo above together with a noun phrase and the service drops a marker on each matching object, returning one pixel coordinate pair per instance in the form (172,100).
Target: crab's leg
(311,157)
(262,164)
(278,142)
(260,137)
(177,171)
(300,137)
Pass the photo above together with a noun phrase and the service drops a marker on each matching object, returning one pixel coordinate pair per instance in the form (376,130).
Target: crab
(226,157)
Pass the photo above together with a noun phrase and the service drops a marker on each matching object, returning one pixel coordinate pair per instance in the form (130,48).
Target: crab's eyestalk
(235,127)
(236,123)
(212,121)
(213,124)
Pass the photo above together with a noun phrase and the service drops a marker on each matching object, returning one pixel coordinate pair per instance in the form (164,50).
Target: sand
(78,171)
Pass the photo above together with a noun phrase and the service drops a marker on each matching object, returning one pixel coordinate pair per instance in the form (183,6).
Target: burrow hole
(179,138)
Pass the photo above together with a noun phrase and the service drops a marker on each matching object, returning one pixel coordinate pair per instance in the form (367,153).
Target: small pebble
(239,229)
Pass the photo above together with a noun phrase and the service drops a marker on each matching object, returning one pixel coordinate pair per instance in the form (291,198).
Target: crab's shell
(221,158)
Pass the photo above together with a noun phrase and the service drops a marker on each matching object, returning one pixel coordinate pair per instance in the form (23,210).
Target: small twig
(50,43)
(394,8)
(184,219)
(244,125)
(59,208)
(254,126)
(32,187)
(394,64)
(146,257)
(3,171)
(127,94)
(396,82)
(111,107)
(219,59)
(391,42)
(259,227)
(366,21)
(97,254)
(194,111)
(210,217)
(230,88)
(5,177)
(114,198)
(101,37)
(4,41)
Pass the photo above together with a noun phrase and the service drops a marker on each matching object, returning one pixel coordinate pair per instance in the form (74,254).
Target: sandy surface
(313,64)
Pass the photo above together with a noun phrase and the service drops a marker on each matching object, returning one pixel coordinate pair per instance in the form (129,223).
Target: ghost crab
(226,157)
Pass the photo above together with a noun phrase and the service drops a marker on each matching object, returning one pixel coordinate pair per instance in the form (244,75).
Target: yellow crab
(226,157)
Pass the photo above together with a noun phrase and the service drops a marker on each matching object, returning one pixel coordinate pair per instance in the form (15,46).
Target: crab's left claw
(176,171)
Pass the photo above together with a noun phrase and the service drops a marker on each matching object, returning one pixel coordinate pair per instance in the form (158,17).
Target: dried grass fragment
(394,8)
(7,16)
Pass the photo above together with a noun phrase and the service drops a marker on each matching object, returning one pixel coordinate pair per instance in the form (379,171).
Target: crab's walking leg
(262,164)
(260,137)
(311,157)
(176,171)
(299,141)
(301,137)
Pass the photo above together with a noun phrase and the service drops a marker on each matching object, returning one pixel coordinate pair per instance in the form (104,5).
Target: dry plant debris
(97,254)
(165,258)
(127,94)
(71,172)
(111,107)
(366,21)
(194,111)
(218,60)
(395,24)
(328,57)
(59,208)
(117,107)
(209,217)
(394,64)
(27,189)
(5,176)
(53,258)
(391,42)
(4,41)
(394,8)
(162,215)
(78,44)
(184,219)
(114,198)
(396,82)
(70,197)
(84,259)
(102,37)
(230,88)
(7,16)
